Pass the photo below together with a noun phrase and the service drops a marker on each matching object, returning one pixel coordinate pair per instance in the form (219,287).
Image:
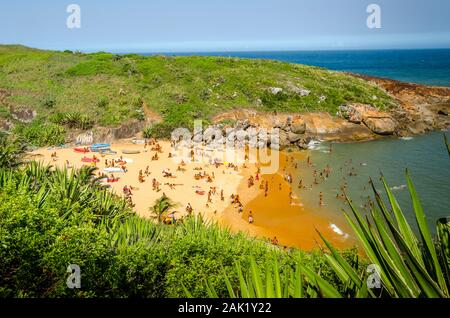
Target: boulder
(6,125)
(23,115)
(294,137)
(298,126)
(242,136)
(356,113)
(275,90)
(381,125)
(304,142)
(284,139)
(242,124)
(298,90)
(231,137)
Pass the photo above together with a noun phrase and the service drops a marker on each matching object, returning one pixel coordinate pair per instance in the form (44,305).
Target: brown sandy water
(292,223)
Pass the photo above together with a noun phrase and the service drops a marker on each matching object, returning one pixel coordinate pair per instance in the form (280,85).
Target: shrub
(11,151)
(159,130)
(41,134)
(73,119)
(49,103)
(4,112)
(103,102)
(147,132)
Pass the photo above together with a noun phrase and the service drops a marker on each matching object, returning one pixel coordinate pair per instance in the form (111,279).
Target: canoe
(85,159)
(130,152)
(100,149)
(113,170)
(112,180)
(101,146)
(81,150)
(138,142)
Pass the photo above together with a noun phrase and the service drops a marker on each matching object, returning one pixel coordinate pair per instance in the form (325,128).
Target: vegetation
(41,134)
(162,207)
(120,255)
(11,152)
(406,266)
(72,119)
(111,89)
(50,218)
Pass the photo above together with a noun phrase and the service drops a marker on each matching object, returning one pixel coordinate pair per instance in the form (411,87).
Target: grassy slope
(179,88)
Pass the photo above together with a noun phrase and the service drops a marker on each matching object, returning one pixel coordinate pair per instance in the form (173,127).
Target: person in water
(275,241)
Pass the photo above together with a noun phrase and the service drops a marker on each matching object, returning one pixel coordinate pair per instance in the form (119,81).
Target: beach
(278,213)
(184,184)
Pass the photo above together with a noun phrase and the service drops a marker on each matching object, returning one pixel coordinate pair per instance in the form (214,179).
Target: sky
(225,25)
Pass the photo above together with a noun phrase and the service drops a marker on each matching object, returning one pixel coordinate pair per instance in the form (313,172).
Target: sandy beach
(276,215)
(184,189)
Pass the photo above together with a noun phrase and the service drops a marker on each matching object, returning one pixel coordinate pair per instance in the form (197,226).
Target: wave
(400,187)
(338,231)
(315,145)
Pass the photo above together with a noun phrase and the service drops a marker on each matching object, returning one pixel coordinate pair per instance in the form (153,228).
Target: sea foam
(338,231)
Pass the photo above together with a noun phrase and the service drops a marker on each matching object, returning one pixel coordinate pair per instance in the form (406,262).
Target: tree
(161,207)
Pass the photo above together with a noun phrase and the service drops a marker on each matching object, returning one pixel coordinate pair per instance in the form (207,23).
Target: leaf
(403,226)
(425,234)
(326,289)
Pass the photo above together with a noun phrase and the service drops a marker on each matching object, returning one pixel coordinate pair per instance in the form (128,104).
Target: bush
(73,119)
(41,134)
(159,130)
(11,151)
(103,102)
(48,223)
(49,103)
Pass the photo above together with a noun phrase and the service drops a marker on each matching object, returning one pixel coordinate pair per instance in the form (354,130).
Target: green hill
(75,90)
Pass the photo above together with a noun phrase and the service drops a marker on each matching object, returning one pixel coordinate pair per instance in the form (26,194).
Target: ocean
(425,66)
(354,164)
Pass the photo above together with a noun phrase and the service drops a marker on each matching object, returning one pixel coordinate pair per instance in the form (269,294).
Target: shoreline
(294,225)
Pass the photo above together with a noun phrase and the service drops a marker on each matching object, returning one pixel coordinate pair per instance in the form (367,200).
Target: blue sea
(426,66)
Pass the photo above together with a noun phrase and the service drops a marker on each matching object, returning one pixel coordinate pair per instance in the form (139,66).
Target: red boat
(81,150)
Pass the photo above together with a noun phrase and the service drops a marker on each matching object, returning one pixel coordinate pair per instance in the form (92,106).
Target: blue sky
(225,25)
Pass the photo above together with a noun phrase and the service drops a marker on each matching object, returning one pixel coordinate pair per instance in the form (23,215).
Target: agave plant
(409,266)
(269,282)
(77,187)
(134,230)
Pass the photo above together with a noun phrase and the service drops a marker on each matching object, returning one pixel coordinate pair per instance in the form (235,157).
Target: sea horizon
(420,66)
